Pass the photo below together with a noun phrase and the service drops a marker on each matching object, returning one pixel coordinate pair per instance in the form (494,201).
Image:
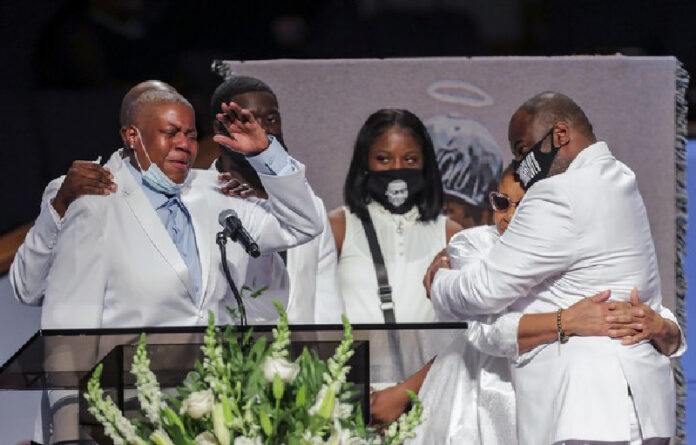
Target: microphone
(229,220)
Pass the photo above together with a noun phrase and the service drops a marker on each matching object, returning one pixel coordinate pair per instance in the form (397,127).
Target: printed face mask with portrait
(536,164)
(395,189)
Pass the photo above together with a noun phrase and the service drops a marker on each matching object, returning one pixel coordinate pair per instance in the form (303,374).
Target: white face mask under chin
(154,176)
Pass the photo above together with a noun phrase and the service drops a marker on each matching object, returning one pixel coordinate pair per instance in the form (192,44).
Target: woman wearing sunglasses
(466,390)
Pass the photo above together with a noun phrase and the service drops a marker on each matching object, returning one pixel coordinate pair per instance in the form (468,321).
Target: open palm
(244,134)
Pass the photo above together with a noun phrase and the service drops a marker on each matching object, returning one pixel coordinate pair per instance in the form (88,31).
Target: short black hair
(550,107)
(355,194)
(233,86)
(230,87)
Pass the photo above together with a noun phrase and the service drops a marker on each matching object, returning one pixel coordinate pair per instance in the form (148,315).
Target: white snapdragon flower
(339,436)
(206,438)
(242,440)
(287,371)
(309,439)
(160,437)
(198,404)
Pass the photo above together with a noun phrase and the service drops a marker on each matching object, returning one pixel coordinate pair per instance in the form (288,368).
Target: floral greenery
(247,392)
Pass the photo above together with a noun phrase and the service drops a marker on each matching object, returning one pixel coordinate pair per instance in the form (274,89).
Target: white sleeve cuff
(273,161)
(666,313)
(497,335)
(443,282)
(48,224)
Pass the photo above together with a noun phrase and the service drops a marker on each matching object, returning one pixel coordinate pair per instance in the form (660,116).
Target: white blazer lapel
(201,217)
(151,223)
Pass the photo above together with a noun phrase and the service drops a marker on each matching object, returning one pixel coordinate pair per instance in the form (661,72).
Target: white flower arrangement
(246,392)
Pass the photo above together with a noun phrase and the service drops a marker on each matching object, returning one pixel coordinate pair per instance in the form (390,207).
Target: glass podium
(61,361)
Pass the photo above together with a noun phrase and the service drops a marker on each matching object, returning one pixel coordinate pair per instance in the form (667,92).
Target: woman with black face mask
(392,225)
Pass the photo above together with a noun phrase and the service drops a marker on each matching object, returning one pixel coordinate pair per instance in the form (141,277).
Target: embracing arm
(511,334)
(77,281)
(32,262)
(537,244)
(388,404)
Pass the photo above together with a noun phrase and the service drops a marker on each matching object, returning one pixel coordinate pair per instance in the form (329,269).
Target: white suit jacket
(113,264)
(311,273)
(313,268)
(573,235)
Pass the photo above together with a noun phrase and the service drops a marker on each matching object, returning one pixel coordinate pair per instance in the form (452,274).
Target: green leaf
(171,419)
(359,423)
(301,396)
(227,411)
(278,387)
(219,429)
(327,404)
(265,422)
(258,349)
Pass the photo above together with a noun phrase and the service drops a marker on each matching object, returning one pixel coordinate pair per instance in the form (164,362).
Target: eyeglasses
(500,201)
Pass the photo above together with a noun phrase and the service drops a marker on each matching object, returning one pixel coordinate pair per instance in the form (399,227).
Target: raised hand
(83,178)
(244,134)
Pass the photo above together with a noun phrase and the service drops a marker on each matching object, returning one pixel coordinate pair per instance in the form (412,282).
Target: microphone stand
(221,240)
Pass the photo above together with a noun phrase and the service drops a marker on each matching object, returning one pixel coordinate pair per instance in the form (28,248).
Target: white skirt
(467,399)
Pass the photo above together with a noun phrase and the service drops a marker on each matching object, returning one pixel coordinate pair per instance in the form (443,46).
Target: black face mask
(536,164)
(395,189)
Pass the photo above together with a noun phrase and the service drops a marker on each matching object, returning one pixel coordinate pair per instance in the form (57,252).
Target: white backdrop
(629,100)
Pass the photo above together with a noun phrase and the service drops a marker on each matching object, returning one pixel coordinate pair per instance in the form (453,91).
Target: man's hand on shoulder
(235,187)
(83,178)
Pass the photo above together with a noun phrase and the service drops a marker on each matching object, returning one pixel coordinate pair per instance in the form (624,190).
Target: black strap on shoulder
(384,290)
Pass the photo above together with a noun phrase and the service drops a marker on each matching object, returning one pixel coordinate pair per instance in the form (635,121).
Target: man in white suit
(142,256)
(581,228)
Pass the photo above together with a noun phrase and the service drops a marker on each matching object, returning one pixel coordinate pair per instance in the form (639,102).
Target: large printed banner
(629,100)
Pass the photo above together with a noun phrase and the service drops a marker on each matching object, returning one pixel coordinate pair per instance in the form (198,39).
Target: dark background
(67,63)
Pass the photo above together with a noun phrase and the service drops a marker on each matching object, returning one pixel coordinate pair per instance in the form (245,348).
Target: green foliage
(246,387)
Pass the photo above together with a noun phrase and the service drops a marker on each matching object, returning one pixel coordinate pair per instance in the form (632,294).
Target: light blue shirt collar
(156,198)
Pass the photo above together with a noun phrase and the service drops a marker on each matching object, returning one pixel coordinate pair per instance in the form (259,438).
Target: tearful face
(397,192)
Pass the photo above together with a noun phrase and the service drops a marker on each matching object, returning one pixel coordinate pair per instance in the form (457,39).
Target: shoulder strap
(384,290)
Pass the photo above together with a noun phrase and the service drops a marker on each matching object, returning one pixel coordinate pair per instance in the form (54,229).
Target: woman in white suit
(117,263)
